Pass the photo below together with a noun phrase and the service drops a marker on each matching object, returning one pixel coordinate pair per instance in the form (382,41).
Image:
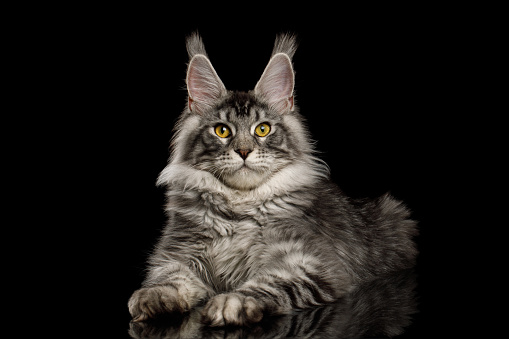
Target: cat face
(241,138)
(242,142)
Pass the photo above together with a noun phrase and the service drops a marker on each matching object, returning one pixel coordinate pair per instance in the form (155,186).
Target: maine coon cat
(255,225)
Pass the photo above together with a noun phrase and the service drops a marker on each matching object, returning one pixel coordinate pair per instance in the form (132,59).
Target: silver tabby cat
(255,225)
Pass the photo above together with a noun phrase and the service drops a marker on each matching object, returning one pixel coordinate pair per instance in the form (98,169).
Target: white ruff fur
(292,177)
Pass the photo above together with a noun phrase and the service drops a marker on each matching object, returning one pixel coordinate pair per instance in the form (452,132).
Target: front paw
(232,309)
(150,302)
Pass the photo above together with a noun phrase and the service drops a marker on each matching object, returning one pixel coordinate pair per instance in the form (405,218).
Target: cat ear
(276,83)
(278,79)
(204,86)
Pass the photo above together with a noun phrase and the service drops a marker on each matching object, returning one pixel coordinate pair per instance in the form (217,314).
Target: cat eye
(222,131)
(262,129)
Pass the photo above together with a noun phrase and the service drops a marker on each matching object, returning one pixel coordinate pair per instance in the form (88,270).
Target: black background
(379,87)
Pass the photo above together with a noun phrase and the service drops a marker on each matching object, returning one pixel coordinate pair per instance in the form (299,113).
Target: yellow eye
(223,131)
(262,129)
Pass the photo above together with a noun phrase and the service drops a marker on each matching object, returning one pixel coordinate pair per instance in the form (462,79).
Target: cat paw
(150,302)
(232,309)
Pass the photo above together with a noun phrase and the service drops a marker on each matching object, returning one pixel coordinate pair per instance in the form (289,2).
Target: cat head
(242,139)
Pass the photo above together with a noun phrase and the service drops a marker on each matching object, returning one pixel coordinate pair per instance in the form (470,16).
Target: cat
(255,226)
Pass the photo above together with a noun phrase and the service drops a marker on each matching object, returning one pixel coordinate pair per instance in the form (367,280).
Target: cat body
(255,225)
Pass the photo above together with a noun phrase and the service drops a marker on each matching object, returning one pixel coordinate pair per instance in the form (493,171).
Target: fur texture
(255,225)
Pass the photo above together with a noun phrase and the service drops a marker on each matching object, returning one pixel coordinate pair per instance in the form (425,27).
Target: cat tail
(399,231)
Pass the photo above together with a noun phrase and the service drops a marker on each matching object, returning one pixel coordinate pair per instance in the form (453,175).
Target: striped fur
(268,233)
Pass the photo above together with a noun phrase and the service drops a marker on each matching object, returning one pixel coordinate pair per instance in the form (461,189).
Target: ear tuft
(285,43)
(194,45)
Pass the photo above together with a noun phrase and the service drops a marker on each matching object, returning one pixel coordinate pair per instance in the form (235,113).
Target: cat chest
(236,237)
(232,258)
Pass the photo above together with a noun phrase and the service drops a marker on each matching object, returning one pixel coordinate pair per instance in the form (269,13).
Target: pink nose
(243,153)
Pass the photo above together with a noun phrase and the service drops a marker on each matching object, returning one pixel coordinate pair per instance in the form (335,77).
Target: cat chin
(244,179)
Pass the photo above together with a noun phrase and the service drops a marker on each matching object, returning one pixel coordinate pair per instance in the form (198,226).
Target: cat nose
(243,153)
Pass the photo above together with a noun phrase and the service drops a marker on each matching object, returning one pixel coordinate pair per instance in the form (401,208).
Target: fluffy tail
(398,246)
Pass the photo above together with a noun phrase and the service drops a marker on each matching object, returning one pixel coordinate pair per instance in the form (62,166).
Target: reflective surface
(383,307)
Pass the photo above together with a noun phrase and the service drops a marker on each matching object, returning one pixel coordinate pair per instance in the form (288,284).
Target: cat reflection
(380,307)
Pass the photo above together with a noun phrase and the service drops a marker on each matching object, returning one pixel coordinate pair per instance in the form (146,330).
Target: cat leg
(173,288)
(294,280)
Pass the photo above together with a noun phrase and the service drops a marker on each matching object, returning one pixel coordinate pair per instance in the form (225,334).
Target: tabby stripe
(257,114)
(317,296)
(318,316)
(295,295)
(231,114)
(199,135)
(303,295)
(322,286)
(259,293)
(311,283)
(288,288)
(293,331)
(263,292)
